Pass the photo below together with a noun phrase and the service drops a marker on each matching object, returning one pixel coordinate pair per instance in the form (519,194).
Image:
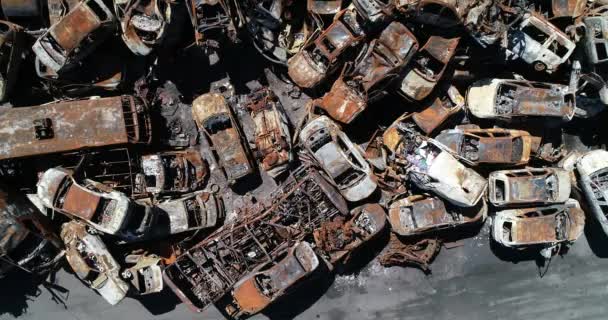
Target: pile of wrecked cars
(404,125)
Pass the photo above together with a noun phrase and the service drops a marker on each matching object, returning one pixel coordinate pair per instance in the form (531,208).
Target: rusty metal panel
(73,125)
(74,27)
(428,67)
(81,202)
(435,115)
(343,102)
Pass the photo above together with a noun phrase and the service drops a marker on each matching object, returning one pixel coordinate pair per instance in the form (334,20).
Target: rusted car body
(528,186)
(211,18)
(341,237)
(209,270)
(431,167)
(539,43)
(596,38)
(12,42)
(272,138)
(108,212)
(272,280)
(215,119)
(428,67)
(27,240)
(90,259)
(339,157)
(385,57)
(199,210)
(75,35)
(73,125)
(145,274)
(417,252)
(548,225)
(438,13)
(416,215)
(513,100)
(314,62)
(374,11)
(143,23)
(433,116)
(592,169)
(173,172)
(476,146)
(376,67)
(324,6)
(343,102)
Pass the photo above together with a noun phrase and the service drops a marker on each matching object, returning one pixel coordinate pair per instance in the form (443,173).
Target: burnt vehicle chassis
(205,273)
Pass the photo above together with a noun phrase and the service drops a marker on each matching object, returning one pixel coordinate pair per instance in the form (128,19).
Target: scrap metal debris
(230,150)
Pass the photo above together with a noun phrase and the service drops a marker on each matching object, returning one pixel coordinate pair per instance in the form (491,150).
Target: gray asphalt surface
(472,281)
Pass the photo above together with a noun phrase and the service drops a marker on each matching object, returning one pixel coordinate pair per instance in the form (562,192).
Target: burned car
(592,169)
(209,270)
(539,43)
(314,62)
(172,172)
(433,116)
(374,11)
(272,137)
(12,47)
(27,239)
(508,100)
(213,20)
(67,126)
(272,280)
(420,214)
(143,23)
(546,226)
(431,167)
(199,210)
(106,211)
(216,121)
(339,157)
(383,59)
(78,33)
(476,146)
(528,186)
(596,38)
(145,272)
(377,66)
(341,237)
(90,259)
(428,67)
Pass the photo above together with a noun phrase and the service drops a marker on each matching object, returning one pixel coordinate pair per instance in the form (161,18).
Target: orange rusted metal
(73,125)
(343,102)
